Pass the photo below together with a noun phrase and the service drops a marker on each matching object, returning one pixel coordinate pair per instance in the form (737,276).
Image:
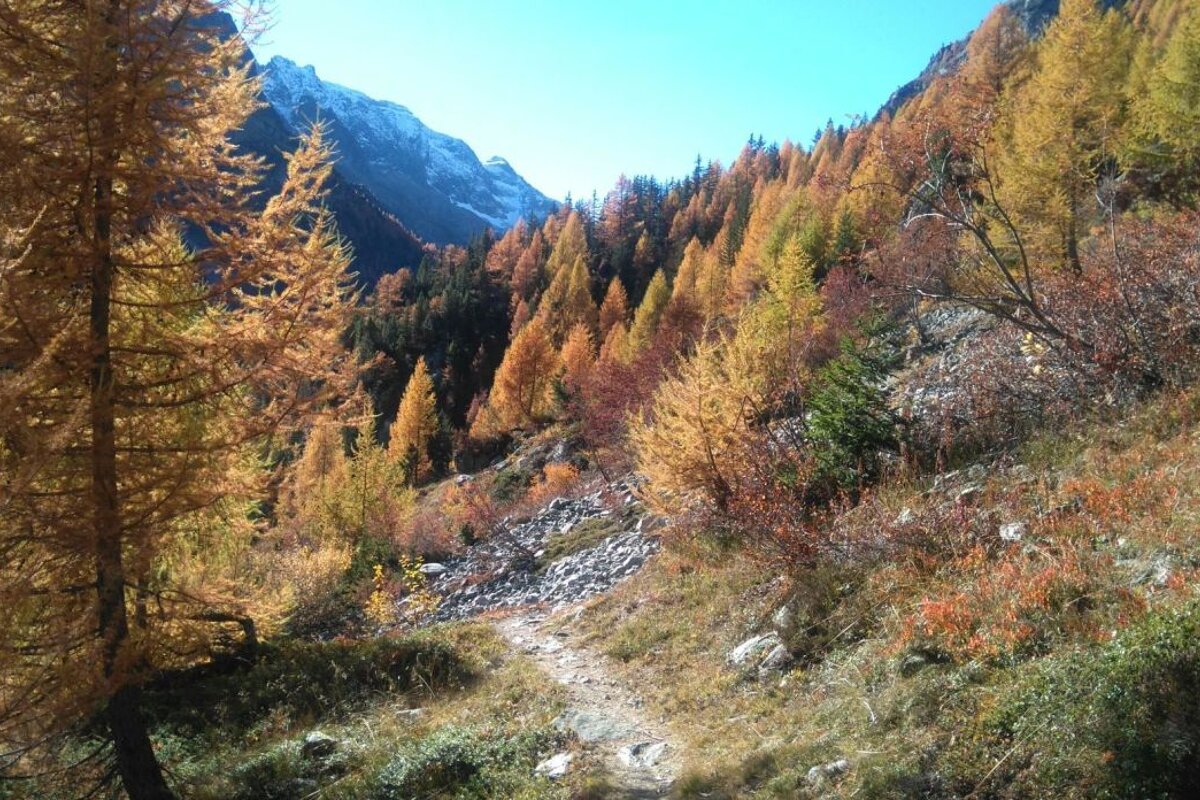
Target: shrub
(1016,605)
(464,762)
(556,480)
(1114,721)
(303,681)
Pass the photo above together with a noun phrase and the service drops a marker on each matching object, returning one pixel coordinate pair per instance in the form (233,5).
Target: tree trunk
(1073,244)
(136,763)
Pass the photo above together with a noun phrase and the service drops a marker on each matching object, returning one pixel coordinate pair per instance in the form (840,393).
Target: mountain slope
(432,182)
(380,242)
(1033,14)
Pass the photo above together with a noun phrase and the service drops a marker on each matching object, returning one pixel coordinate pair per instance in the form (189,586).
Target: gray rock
(433,568)
(556,766)
(905,517)
(318,745)
(459,480)
(783,617)
(642,755)
(779,659)
(590,728)
(819,774)
(753,648)
(1013,531)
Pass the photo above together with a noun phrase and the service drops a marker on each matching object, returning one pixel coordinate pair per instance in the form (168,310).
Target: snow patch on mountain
(433,182)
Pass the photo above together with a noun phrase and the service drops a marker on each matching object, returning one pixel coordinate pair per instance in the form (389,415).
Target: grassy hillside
(1061,663)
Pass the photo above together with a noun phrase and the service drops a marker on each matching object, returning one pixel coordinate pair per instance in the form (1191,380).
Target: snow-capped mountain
(433,183)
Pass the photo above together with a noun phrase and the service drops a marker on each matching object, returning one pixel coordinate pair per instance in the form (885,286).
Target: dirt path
(602,711)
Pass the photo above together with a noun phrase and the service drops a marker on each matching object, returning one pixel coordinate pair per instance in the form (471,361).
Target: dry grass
(904,648)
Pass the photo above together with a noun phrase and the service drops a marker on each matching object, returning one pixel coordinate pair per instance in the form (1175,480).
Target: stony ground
(515,578)
(508,570)
(603,712)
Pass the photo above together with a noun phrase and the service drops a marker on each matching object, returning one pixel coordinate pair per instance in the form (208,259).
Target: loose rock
(642,755)
(753,647)
(819,774)
(318,745)
(1013,531)
(555,767)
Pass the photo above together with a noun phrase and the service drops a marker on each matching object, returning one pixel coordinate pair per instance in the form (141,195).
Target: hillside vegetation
(862,467)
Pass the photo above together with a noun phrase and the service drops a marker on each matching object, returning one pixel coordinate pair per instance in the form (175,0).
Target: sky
(575,93)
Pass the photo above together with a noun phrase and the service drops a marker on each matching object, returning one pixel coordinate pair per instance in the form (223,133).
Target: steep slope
(432,182)
(1034,15)
(381,243)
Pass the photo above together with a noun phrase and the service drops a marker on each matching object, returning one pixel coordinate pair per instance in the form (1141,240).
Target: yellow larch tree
(568,302)
(570,245)
(684,285)
(415,426)
(522,391)
(650,311)
(615,308)
(578,356)
(1062,126)
(616,346)
(139,373)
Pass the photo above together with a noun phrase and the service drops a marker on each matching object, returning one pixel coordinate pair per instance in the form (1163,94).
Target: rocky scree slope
(516,567)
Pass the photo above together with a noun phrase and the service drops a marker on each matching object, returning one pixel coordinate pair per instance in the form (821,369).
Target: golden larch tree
(570,245)
(521,394)
(684,285)
(616,345)
(615,308)
(138,373)
(650,311)
(415,426)
(578,356)
(1061,128)
(568,302)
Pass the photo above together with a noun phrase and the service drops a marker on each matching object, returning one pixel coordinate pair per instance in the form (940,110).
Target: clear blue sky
(575,92)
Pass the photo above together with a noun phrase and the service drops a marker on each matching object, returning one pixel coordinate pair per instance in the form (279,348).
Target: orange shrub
(995,608)
(556,480)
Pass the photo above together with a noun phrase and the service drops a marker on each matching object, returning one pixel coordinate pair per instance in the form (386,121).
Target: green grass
(483,722)
(444,713)
(588,533)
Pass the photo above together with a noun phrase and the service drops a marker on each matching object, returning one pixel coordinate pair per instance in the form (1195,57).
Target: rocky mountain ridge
(434,183)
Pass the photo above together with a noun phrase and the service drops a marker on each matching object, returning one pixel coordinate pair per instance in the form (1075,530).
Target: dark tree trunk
(136,763)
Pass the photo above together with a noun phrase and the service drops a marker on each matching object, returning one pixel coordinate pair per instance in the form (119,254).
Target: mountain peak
(433,182)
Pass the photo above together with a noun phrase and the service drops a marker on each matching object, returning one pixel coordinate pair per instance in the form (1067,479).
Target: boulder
(433,568)
(318,745)
(753,648)
(555,767)
(905,517)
